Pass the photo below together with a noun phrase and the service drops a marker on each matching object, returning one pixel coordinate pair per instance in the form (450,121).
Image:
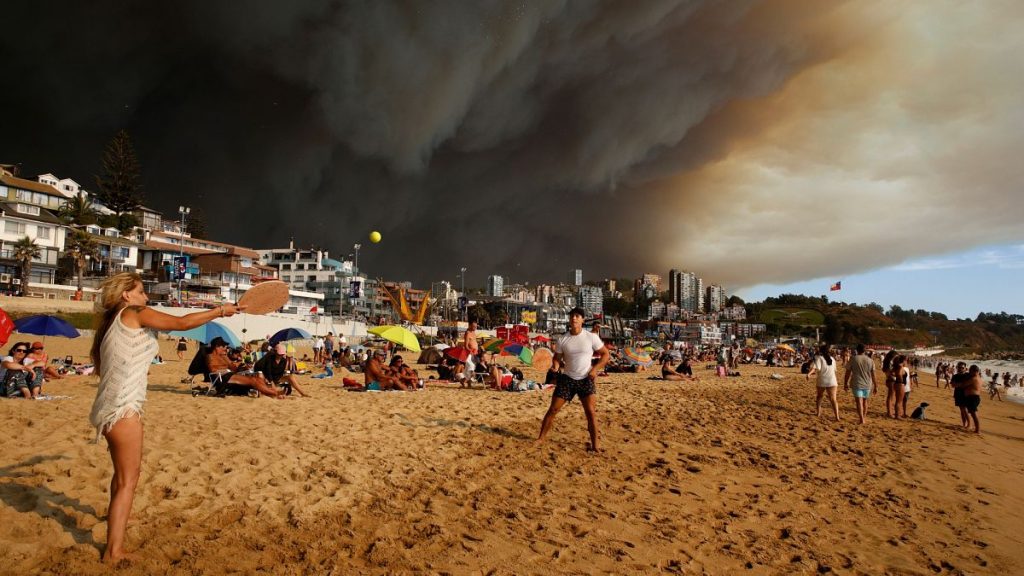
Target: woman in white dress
(122,350)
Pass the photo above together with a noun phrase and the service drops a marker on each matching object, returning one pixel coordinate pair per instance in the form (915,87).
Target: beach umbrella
(523,353)
(636,355)
(208,332)
(541,338)
(785,347)
(42,325)
(542,358)
(398,335)
(460,353)
(494,344)
(441,346)
(6,327)
(288,334)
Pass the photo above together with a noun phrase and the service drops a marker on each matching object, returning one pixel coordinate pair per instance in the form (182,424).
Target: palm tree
(78,209)
(26,250)
(79,246)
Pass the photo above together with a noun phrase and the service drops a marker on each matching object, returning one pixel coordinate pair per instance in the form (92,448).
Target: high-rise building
(495,286)
(686,290)
(591,299)
(715,301)
(576,277)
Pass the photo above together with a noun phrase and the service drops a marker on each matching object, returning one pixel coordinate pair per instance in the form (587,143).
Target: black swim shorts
(958,397)
(972,403)
(567,388)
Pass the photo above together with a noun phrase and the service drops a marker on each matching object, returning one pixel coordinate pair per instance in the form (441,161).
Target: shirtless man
(972,394)
(574,350)
(470,342)
(375,373)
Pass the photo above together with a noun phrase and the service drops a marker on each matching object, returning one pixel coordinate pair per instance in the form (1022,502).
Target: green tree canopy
(119,187)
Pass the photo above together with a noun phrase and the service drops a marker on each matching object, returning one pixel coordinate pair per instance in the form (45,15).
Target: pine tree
(120,186)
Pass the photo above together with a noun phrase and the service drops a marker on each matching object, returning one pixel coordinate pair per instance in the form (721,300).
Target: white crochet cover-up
(127,354)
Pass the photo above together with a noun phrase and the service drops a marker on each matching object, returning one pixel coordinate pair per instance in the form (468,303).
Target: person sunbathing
(669,373)
(231,372)
(41,361)
(279,369)
(376,376)
(403,372)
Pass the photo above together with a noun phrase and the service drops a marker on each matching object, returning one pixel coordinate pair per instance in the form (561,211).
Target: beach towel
(328,374)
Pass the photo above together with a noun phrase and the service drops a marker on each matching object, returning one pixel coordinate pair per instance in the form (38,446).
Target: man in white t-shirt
(573,353)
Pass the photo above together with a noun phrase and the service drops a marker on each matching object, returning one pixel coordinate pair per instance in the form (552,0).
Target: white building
(576,277)
(495,286)
(591,299)
(686,290)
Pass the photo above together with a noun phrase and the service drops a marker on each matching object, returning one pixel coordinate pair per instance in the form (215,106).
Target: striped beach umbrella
(494,344)
(523,353)
(636,355)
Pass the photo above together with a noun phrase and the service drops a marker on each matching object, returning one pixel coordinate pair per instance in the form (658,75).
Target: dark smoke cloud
(749,141)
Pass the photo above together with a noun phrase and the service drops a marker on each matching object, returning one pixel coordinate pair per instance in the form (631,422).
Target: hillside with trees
(902,328)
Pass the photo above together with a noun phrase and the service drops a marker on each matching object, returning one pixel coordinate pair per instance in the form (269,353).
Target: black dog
(919,411)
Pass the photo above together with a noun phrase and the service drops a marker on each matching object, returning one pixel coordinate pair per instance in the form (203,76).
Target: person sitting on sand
(669,373)
(405,374)
(375,376)
(17,378)
(279,369)
(41,360)
(230,371)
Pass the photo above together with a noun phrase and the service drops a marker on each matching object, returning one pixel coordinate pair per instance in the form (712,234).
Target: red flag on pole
(836,286)
(313,310)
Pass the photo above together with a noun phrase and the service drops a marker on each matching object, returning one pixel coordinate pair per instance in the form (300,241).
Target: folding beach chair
(212,383)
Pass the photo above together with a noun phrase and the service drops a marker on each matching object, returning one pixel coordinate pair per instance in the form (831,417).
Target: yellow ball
(374,236)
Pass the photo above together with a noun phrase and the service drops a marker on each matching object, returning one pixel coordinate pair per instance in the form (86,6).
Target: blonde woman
(122,350)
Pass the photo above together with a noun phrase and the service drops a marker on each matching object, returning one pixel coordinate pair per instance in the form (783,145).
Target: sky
(766,145)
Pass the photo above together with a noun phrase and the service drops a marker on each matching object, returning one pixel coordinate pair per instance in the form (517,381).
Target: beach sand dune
(723,475)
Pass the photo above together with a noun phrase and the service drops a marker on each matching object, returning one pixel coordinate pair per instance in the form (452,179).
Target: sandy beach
(721,476)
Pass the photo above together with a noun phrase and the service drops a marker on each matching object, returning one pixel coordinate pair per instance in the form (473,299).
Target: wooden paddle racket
(264,297)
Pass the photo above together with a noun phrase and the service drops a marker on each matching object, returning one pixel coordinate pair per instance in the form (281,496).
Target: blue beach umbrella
(42,325)
(208,332)
(289,334)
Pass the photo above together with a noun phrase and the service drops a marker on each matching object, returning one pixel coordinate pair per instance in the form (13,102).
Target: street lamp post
(184,211)
(462,294)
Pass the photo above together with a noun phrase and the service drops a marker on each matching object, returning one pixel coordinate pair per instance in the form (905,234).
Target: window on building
(27,209)
(43,232)
(123,251)
(287,277)
(14,227)
(23,195)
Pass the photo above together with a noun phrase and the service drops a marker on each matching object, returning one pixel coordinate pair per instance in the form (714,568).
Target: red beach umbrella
(6,327)
(460,353)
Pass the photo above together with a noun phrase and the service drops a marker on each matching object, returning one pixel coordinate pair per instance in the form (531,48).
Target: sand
(722,476)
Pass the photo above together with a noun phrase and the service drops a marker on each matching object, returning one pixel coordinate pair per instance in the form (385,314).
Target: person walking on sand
(122,349)
(573,353)
(958,381)
(860,374)
(182,348)
(972,394)
(824,367)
